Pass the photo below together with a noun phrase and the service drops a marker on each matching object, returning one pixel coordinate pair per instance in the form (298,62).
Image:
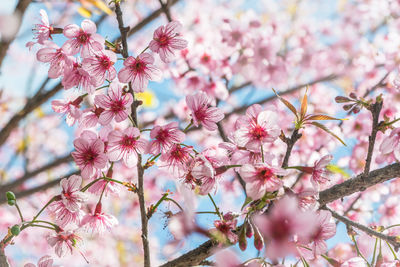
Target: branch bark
(19,10)
(333,193)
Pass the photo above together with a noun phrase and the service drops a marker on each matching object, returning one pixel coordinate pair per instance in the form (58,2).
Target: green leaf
(287,104)
(323,127)
(336,169)
(321,117)
(304,104)
(246,201)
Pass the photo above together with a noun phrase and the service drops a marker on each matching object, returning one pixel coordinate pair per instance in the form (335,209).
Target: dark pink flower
(70,108)
(57,57)
(261,178)
(45,261)
(166,40)
(84,40)
(63,242)
(202,113)
(101,66)
(139,71)
(117,104)
(176,158)
(226,226)
(391,144)
(126,145)
(164,137)
(89,154)
(71,196)
(98,222)
(77,76)
(256,128)
(284,225)
(43,29)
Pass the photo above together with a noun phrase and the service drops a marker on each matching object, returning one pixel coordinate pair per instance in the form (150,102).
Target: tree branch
(369,231)
(140,170)
(331,194)
(18,11)
(7,187)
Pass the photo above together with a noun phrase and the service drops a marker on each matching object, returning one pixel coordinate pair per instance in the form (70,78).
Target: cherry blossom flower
(70,108)
(63,215)
(225,227)
(98,222)
(63,242)
(324,230)
(391,144)
(101,65)
(228,258)
(164,137)
(139,71)
(166,40)
(43,29)
(319,173)
(176,158)
(283,225)
(45,261)
(354,262)
(202,113)
(117,104)
(204,173)
(71,195)
(58,58)
(126,145)
(89,154)
(77,76)
(82,39)
(256,128)
(261,178)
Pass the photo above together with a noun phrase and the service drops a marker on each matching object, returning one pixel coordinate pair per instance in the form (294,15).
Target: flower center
(128,142)
(258,132)
(265,174)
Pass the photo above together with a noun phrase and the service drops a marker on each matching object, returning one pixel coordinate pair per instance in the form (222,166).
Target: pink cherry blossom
(391,144)
(319,173)
(70,108)
(99,222)
(80,78)
(45,261)
(164,137)
(202,113)
(176,158)
(204,173)
(125,145)
(43,29)
(324,230)
(63,242)
(256,128)
(84,40)
(166,40)
(117,104)
(58,58)
(226,226)
(71,195)
(139,71)
(284,224)
(101,66)
(63,215)
(89,154)
(261,178)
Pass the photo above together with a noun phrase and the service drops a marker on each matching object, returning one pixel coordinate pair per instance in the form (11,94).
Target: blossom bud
(98,208)
(249,230)
(258,239)
(353,95)
(355,110)
(348,107)
(242,238)
(10,195)
(342,99)
(15,230)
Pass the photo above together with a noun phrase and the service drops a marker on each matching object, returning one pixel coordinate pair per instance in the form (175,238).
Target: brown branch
(195,256)
(390,239)
(165,9)
(3,259)
(338,191)
(32,103)
(140,170)
(29,175)
(290,143)
(375,110)
(19,10)
(31,191)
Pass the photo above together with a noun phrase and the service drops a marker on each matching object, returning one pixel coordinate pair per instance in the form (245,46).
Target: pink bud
(249,230)
(242,238)
(98,208)
(258,239)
